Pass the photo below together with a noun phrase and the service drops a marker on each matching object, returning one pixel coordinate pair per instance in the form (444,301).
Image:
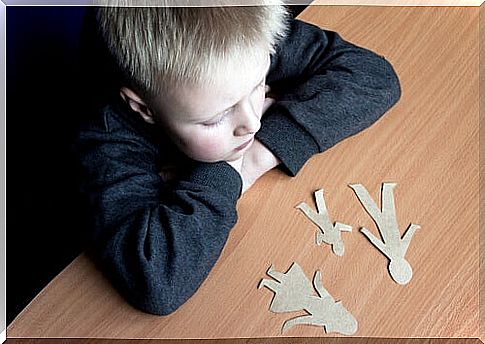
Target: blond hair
(156,47)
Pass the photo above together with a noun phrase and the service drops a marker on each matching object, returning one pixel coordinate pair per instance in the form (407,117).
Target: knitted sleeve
(155,241)
(328,89)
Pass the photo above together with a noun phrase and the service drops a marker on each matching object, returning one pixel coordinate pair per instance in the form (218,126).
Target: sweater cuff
(219,176)
(288,141)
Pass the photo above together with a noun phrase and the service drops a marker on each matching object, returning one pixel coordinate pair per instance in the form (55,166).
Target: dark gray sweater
(158,241)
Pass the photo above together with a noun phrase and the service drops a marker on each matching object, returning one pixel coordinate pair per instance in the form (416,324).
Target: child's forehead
(239,72)
(229,84)
(236,66)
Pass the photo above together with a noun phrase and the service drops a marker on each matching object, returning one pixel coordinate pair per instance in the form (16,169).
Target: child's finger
(267,103)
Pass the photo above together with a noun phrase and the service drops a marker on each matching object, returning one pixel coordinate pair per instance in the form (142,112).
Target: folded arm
(155,241)
(328,89)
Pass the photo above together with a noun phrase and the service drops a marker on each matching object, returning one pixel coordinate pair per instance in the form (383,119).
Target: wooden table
(428,144)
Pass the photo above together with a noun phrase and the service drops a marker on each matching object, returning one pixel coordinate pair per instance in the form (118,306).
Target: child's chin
(230,156)
(236,156)
(227,158)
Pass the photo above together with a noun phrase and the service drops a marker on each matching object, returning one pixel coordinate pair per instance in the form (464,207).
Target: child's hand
(236,164)
(269,99)
(256,161)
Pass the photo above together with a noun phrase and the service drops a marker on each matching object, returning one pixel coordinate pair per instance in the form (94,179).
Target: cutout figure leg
(320,201)
(389,224)
(310,213)
(366,199)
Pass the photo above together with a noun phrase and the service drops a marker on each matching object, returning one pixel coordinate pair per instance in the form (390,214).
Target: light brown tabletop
(428,144)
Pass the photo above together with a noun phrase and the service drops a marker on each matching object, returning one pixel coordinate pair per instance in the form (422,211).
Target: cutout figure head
(342,321)
(400,270)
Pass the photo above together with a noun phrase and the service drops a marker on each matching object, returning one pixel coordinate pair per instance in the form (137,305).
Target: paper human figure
(294,292)
(392,245)
(328,233)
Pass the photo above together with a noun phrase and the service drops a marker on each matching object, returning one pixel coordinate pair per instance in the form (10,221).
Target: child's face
(218,123)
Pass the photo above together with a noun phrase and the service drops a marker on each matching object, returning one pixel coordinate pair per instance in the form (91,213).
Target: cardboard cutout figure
(328,233)
(294,292)
(392,245)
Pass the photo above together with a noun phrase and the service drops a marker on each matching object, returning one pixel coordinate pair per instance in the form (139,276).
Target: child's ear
(137,104)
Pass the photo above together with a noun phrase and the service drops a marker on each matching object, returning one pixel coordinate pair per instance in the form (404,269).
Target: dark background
(43,223)
(46,97)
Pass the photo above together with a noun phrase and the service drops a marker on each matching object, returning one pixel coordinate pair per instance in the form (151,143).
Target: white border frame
(5,3)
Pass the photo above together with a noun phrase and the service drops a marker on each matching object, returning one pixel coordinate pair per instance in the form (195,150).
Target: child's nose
(249,120)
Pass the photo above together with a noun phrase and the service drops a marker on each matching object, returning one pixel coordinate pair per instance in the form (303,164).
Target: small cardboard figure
(328,233)
(392,245)
(294,292)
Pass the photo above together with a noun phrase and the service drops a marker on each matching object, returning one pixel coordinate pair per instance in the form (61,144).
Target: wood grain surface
(281,340)
(392,2)
(482,173)
(428,144)
(205,3)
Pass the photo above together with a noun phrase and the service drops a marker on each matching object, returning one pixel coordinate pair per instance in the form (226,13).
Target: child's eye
(219,120)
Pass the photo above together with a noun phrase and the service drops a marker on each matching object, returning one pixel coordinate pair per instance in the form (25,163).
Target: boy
(191,127)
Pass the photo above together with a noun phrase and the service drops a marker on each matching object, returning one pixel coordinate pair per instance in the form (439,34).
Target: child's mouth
(244,145)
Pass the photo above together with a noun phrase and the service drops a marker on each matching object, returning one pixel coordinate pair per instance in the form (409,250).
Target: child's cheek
(207,147)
